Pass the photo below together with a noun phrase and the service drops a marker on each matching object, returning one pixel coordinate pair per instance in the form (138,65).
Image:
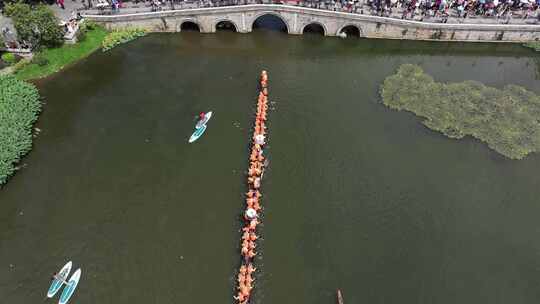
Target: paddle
(265,164)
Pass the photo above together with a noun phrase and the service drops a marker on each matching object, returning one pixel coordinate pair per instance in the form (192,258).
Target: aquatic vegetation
(507,119)
(118,37)
(19,109)
(50,61)
(533,45)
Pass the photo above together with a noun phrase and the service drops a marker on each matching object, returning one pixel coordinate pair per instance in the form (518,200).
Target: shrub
(40,60)
(118,37)
(19,109)
(81,33)
(84,28)
(21,64)
(506,119)
(90,25)
(35,25)
(9,58)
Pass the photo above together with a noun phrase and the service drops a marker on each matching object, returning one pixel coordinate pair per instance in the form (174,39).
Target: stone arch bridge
(295,18)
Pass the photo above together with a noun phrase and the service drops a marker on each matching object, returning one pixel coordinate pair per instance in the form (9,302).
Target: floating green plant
(507,119)
(533,45)
(121,36)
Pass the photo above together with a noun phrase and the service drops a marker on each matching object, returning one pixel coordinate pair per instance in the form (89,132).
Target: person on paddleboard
(57,276)
(201,116)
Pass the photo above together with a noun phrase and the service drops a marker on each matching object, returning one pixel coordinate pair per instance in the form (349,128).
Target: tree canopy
(35,25)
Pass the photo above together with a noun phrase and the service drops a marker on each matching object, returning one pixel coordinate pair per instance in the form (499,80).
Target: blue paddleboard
(56,284)
(70,287)
(198,133)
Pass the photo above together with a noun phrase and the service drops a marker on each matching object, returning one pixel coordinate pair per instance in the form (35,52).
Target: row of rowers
(257,158)
(245,282)
(255,173)
(249,237)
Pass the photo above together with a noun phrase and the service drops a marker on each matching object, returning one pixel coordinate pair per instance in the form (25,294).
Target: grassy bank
(507,120)
(53,60)
(19,109)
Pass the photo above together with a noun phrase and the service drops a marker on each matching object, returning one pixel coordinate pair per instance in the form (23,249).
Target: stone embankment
(296,19)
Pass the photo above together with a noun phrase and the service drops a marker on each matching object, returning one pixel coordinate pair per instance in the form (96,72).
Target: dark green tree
(35,25)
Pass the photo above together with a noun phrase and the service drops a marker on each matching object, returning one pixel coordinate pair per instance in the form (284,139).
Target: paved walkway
(5,22)
(70,7)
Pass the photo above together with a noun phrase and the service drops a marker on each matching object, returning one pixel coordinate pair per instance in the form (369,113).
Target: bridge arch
(225,24)
(352,30)
(189,25)
(273,14)
(315,27)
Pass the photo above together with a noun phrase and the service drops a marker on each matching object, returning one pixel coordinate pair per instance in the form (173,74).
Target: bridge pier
(206,24)
(244,27)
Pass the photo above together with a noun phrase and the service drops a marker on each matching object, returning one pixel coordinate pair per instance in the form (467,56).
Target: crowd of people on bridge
(458,8)
(404,9)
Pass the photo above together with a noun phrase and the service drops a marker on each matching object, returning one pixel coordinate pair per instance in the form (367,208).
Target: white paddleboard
(198,133)
(56,285)
(202,122)
(70,287)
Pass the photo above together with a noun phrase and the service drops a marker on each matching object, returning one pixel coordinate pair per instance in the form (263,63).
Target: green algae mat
(507,120)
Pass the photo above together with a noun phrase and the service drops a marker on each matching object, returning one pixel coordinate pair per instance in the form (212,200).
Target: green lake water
(357,197)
